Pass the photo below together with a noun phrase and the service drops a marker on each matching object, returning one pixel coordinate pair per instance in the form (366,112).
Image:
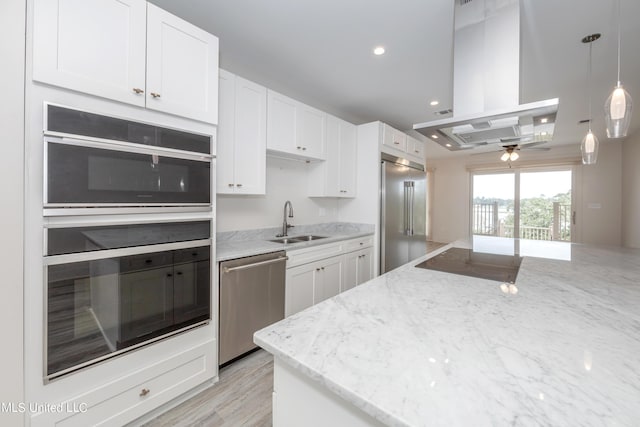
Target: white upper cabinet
(96,47)
(182,67)
(295,129)
(415,148)
(127,51)
(336,177)
(394,138)
(400,144)
(241,165)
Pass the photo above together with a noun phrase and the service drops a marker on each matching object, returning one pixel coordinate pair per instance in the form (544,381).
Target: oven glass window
(99,307)
(86,239)
(93,176)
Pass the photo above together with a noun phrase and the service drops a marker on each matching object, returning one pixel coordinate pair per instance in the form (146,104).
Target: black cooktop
(502,268)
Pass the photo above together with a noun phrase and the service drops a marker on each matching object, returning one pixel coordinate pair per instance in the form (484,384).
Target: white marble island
(417,347)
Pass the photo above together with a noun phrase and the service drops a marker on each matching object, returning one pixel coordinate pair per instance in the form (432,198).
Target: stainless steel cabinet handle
(255,264)
(144,392)
(238,185)
(298,147)
(396,142)
(155,95)
(138,90)
(304,148)
(230,185)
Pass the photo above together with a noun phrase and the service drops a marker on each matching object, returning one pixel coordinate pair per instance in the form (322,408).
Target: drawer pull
(144,392)
(155,95)
(137,90)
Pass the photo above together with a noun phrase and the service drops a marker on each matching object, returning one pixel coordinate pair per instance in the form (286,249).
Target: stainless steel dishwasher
(251,297)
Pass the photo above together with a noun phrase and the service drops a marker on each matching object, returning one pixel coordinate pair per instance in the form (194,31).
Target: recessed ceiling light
(378,50)
(545,120)
(448,145)
(434,103)
(434,136)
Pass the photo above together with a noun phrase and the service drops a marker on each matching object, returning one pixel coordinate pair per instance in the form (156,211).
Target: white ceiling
(320,52)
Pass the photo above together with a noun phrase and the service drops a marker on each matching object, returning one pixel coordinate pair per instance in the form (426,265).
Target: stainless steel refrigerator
(403,212)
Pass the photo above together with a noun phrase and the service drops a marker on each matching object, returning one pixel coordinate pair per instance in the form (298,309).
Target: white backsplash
(286,180)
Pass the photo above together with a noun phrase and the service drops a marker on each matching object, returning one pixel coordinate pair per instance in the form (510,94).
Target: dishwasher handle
(255,264)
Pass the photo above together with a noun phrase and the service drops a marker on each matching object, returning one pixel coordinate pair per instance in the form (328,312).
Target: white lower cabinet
(135,394)
(312,283)
(321,272)
(358,268)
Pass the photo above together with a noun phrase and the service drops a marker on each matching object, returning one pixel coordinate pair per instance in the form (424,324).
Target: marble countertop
(238,244)
(418,347)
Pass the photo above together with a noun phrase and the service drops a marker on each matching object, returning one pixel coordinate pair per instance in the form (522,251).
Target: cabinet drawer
(355,244)
(307,255)
(132,396)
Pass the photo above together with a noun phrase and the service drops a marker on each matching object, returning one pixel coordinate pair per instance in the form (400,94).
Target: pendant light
(617,108)
(589,145)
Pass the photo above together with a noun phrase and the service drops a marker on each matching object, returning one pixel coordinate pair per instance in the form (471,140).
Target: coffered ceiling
(320,52)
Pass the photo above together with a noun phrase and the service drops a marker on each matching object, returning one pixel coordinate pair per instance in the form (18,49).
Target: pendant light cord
(589,84)
(619,42)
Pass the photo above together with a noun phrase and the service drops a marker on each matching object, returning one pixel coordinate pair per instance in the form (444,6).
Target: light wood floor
(242,397)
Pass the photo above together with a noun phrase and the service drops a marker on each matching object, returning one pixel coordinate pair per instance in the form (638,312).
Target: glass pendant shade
(505,157)
(589,148)
(514,156)
(617,112)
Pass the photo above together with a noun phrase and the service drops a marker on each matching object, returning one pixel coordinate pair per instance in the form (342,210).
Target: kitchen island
(417,347)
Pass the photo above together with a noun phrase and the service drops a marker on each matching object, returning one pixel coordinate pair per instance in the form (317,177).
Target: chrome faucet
(286,226)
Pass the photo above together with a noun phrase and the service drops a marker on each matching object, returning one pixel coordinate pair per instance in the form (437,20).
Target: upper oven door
(92,173)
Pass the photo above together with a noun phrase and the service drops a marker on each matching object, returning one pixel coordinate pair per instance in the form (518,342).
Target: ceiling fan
(510,152)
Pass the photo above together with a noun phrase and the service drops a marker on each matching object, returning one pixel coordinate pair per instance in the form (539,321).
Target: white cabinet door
(225,168)
(299,288)
(241,136)
(182,67)
(394,138)
(365,265)
(281,126)
(250,137)
(415,148)
(350,279)
(358,268)
(329,279)
(96,47)
(348,159)
(311,128)
(294,129)
(336,176)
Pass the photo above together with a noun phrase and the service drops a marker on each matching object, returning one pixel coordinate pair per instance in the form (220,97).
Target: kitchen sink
(308,238)
(297,239)
(286,240)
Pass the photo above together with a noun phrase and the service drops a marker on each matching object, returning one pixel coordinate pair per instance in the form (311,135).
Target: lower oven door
(103,302)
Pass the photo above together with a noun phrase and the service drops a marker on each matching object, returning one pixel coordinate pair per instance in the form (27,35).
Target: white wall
(598,185)
(12,52)
(631,191)
(451,200)
(286,180)
(602,196)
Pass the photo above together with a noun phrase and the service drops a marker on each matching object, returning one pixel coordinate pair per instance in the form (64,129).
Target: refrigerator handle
(412,207)
(408,207)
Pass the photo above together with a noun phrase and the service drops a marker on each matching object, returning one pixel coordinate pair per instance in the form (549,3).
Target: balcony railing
(486,221)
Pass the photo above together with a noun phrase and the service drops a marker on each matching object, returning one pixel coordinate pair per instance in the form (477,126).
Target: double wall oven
(130,275)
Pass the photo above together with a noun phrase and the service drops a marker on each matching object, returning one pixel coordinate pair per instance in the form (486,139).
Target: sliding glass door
(530,204)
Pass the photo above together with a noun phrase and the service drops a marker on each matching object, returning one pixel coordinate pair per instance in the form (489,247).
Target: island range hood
(486,83)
